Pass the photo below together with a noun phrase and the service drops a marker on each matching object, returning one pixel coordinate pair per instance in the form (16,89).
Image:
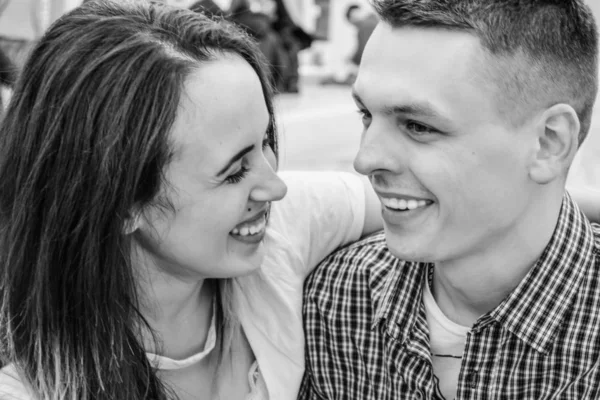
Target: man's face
(451,172)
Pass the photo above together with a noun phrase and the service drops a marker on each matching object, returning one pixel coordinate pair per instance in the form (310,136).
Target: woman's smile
(252,230)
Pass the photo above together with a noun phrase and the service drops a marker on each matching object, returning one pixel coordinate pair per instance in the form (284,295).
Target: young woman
(140,256)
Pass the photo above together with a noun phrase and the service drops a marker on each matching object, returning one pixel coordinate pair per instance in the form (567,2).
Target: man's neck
(469,287)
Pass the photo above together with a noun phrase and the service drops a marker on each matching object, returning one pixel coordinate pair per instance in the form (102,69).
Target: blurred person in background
(208,7)
(295,39)
(257,19)
(364,20)
(176,3)
(23,22)
(279,37)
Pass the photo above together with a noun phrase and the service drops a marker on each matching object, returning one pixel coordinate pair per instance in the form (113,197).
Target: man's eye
(419,129)
(267,142)
(366,116)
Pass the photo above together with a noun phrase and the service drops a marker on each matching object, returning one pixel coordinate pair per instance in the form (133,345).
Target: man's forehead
(420,57)
(419,44)
(432,68)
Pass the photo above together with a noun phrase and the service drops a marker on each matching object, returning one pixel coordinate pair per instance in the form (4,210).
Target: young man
(473,111)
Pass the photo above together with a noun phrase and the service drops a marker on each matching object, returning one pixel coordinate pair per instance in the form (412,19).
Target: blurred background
(314,47)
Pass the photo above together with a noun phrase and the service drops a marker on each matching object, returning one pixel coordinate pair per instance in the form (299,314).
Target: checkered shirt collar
(533,311)
(399,313)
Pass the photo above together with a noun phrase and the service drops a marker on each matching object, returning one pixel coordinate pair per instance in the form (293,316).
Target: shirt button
(472,379)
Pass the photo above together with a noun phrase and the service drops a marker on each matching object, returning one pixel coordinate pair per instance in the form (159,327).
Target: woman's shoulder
(314,194)
(11,385)
(307,179)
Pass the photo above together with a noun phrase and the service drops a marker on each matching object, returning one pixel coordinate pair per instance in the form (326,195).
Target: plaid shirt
(367,334)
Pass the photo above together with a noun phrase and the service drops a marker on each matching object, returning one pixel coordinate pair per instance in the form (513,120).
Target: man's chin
(409,249)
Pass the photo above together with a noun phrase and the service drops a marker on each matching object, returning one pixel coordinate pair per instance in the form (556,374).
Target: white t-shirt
(447,343)
(321,212)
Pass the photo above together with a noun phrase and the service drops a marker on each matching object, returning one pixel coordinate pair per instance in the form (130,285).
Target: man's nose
(381,149)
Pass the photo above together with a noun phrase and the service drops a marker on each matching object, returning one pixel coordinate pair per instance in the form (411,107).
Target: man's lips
(403,201)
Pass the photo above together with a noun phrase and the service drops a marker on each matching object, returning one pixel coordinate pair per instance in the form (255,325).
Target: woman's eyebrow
(235,158)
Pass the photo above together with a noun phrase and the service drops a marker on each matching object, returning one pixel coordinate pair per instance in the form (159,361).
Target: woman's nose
(272,188)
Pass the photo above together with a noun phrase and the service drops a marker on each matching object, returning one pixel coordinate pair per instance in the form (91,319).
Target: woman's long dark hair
(84,140)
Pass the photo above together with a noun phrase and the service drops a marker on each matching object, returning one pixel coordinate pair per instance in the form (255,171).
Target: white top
(170,364)
(258,388)
(447,343)
(321,212)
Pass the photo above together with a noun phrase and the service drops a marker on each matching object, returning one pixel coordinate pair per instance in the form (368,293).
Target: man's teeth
(403,204)
(250,229)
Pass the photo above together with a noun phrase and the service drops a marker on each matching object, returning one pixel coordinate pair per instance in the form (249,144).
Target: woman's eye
(419,129)
(237,177)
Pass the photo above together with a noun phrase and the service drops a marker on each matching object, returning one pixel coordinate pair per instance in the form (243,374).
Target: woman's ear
(558,140)
(133,222)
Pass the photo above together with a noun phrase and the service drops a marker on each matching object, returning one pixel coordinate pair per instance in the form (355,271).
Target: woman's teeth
(403,204)
(250,228)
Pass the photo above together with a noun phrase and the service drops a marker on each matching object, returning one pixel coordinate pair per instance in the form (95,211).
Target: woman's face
(221,180)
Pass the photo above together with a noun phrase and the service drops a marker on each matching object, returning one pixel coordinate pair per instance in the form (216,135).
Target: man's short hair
(542,52)
(351,8)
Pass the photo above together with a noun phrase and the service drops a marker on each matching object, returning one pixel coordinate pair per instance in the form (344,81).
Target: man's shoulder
(596,249)
(365,263)
(594,272)
(370,245)
(596,231)
(365,254)
(585,306)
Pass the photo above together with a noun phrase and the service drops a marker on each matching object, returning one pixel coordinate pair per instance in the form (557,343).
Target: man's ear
(557,135)
(133,222)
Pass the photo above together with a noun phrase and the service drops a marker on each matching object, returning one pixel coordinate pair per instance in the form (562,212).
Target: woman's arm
(373,220)
(588,200)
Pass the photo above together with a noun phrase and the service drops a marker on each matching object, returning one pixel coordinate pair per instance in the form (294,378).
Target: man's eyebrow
(422,109)
(356,97)
(417,109)
(235,158)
